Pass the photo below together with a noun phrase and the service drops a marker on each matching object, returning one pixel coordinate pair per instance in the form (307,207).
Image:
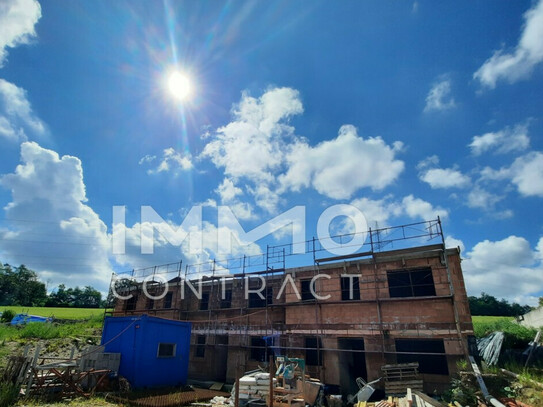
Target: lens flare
(179,85)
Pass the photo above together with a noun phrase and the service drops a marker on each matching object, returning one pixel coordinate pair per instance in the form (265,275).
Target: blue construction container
(154,351)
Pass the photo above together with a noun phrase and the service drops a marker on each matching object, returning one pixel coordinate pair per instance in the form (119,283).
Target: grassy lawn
(90,324)
(67,313)
(487,320)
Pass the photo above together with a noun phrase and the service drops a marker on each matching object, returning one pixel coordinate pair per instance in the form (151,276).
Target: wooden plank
(409,397)
(414,384)
(428,399)
(216,386)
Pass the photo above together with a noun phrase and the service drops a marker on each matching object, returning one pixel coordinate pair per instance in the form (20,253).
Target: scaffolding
(246,321)
(277,257)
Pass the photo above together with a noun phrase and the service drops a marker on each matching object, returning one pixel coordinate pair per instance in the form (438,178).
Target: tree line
(487,304)
(20,286)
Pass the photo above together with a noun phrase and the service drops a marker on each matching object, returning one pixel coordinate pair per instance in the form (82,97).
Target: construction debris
(169,398)
(400,377)
(413,398)
(254,386)
(490,347)
(365,390)
(59,377)
(488,397)
(531,347)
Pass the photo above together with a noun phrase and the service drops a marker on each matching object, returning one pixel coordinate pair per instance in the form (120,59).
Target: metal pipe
(488,397)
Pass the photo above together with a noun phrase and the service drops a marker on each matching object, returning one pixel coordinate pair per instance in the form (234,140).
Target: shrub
(7,316)
(516,336)
(8,394)
(40,330)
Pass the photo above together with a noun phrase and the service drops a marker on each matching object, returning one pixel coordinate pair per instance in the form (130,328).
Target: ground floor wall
(337,360)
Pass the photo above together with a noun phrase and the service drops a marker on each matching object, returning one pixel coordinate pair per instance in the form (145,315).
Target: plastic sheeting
(490,347)
(21,319)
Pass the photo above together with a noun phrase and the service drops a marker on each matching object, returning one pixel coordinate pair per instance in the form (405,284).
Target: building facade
(347,316)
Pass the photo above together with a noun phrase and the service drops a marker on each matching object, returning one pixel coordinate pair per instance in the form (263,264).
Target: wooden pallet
(400,377)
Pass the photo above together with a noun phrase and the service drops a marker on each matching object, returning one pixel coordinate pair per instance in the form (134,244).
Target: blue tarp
(21,319)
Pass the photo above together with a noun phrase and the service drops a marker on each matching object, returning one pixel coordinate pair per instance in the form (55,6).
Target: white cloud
(503,141)
(445,178)
(265,197)
(17,21)
(243,210)
(261,150)
(228,191)
(417,208)
(451,242)
(147,159)
(7,130)
(505,214)
(51,229)
(377,212)
(527,174)
(338,168)
(441,177)
(167,252)
(497,266)
(252,145)
(171,160)
(163,251)
(430,161)
(480,198)
(490,174)
(520,62)
(16,114)
(251,148)
(439,97)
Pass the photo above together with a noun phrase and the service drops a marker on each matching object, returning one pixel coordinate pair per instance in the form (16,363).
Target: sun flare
(179,85)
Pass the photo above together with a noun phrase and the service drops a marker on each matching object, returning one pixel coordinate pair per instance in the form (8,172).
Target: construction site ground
(526,390)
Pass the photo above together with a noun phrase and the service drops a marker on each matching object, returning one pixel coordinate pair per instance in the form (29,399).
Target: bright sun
(179,85)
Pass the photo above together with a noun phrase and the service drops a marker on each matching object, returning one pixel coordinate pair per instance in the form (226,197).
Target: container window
(166,350)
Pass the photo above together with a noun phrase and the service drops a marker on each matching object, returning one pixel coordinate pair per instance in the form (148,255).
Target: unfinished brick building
(347,316)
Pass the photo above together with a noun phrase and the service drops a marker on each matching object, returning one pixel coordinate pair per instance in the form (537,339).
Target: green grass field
(486,320)
(66,313)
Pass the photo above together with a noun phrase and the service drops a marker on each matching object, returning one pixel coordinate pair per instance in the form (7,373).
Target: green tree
(59,298)
(87,297)
(489,305)
(20,286)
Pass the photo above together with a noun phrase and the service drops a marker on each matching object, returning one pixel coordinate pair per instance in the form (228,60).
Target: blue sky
(406,110)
